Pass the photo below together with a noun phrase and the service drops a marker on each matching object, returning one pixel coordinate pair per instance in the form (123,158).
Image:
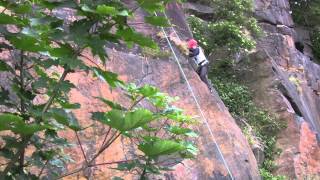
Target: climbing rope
(194,97)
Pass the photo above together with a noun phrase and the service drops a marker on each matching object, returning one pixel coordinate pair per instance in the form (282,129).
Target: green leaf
(27,43)
(190,152)
(4,97)
(6,153)
(22,8)
(157,21)
(73,63)
(113,118)
(5,67)
(110,77)
(182,131)
(42,82)
(86,8)
(67,119)
(79,31)
(152,5)
(66,86)
(191,148)
(11,142)
(97,47)
(138,117)
(57,163)
(65,50)
(109,37)
(148,91)
(16,124)
(67,105)
(123,13)
(130,36)
(127,166)
(117,178)
(111,104)
(149,129)
(106,10)
(176,114)
(154,146)
(111,11)
(123,121)
(52,4)
(6,19)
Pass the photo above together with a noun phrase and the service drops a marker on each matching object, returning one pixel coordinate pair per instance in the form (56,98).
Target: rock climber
(196,53)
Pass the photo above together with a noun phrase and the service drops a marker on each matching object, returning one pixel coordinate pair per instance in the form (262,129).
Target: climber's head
(192,44)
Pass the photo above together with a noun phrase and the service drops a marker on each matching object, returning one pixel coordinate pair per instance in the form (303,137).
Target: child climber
(200,59)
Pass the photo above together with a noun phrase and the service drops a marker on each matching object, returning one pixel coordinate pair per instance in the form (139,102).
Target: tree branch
(16,157)
(105,146)
(105,138)
(22,104)
(55,91)
(81,147)
(135,103)
(109,163)
(97,155)
(26,140)
(89,59)
(41,171)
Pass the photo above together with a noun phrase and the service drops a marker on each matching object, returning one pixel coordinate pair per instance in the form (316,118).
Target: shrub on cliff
(232,27)
(238,98)
(315,40)
(307,13)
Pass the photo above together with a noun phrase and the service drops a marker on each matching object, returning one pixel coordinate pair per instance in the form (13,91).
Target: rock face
(202,11)
(286,82)
(165,75)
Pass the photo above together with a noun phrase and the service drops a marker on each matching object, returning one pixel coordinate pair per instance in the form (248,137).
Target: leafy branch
(45,43)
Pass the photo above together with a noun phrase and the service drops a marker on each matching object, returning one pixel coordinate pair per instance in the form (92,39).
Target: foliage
(315,40)
(238,11)
(40,41)
(266,175)
(222,34)
(155,53)
(145,127)
(307,13)
(232,27)
(239,101)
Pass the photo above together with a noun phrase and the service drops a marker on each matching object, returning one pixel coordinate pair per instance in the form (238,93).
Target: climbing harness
(194,96)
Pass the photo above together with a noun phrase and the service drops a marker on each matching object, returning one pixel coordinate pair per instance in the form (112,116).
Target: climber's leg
(203,73)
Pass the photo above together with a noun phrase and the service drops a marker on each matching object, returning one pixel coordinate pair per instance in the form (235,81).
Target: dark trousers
(203,73)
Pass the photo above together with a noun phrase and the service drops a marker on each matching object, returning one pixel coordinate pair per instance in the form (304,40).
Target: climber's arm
(193,52)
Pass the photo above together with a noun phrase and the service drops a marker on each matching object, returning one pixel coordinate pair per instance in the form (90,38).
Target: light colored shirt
(201,59)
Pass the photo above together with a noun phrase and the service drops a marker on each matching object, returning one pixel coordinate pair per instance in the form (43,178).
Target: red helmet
(192,43)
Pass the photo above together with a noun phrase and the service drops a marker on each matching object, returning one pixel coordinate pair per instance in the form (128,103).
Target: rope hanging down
(195,98)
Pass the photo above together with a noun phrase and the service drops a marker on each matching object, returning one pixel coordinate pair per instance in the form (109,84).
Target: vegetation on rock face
(307,13)
(258,125)
(315,40)
(225,34)
(39,41)
(155,53)
(232,27)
